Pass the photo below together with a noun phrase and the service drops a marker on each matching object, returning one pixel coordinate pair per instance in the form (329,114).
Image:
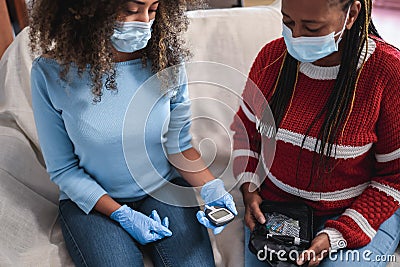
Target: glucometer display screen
(219,214)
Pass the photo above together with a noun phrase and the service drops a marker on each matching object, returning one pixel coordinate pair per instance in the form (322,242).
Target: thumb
(230,204)
(218,230)
(201,217)
(257,213)
(165,222)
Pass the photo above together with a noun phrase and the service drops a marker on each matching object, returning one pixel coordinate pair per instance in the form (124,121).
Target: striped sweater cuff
(336,239)
(248,177)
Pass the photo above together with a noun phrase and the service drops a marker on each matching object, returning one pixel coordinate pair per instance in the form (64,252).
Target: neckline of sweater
(330,73)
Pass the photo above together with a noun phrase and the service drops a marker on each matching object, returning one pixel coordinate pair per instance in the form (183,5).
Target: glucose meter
(218,215)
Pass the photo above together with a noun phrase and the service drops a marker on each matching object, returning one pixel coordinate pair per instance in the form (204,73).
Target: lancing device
(289,239)
(218,215)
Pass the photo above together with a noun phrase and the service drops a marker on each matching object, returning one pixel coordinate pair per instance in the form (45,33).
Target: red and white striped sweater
(364,187)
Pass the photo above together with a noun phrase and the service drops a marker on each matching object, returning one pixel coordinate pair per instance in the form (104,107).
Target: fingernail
(299,262)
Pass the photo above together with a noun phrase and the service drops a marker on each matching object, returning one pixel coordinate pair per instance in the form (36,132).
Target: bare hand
(317,252)
(252,201)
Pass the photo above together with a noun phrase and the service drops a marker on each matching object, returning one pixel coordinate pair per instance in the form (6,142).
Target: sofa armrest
(19,161)
(29,234)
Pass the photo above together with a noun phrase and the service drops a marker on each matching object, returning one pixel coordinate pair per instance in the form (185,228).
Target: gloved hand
(142,228)
(214,194)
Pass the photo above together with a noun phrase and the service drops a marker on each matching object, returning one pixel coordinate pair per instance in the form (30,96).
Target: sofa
(225,40)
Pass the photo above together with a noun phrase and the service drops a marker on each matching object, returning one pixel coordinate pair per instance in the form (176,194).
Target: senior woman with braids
(96,55)
(332,85)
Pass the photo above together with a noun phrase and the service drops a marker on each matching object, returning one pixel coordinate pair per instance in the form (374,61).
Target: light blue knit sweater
(82,142)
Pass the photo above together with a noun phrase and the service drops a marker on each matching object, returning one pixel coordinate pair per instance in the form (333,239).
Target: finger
(158,226)
(307,256)
(204,221)
(148,237)
(160,229)
(302,258)
(318,259)
(165,222)
(201,217)
(317,250)
(257,213)
(218,230)
(249,219)
(154,236)
(230,204)
(313,263)
(154,215)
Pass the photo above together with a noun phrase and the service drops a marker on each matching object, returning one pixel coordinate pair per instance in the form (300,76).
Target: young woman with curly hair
(332,85)
(95,56)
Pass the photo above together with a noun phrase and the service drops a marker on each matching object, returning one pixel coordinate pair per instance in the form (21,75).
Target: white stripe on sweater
(343,194)
(244,153)
(388,157)
(390,191)
(342,152)
(247,112)
(361,222)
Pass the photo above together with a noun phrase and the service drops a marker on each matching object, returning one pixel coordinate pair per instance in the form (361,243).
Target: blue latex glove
(214,194)
(154,215)
(142,228)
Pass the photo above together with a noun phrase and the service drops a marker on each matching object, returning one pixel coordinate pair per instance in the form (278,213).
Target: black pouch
(282,249)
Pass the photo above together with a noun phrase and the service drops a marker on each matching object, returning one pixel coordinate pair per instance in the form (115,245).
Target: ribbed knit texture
(365,184)
(83,143)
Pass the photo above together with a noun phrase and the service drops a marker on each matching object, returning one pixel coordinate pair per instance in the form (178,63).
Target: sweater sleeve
(360,222)
(178,135)
(58,151)
(246,138)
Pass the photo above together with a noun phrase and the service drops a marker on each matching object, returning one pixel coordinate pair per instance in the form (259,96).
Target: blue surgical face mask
(131,36)
(310,49)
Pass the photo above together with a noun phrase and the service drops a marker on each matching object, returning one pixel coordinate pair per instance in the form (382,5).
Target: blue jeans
(382,245)
(96,240)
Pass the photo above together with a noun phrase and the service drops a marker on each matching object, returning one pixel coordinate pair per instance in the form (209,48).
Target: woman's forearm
(106,205)
(191,167)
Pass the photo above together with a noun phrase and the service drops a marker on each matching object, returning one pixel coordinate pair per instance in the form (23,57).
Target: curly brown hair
(78,32)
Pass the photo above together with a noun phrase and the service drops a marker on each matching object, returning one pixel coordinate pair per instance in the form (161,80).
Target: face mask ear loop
(344,27)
